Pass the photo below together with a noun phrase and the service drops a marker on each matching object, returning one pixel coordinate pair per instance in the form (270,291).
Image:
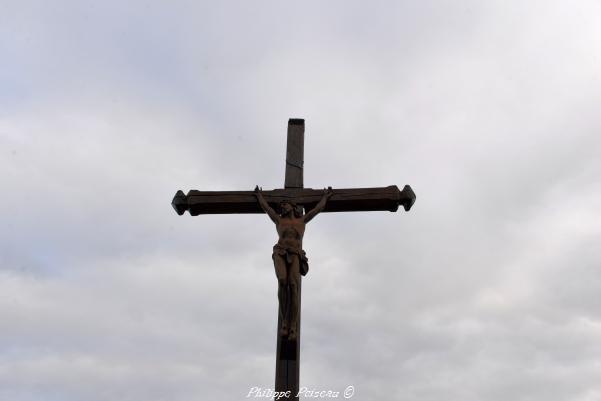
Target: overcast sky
(489,289)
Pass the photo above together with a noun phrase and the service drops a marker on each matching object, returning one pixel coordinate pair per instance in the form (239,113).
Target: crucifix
(285,208)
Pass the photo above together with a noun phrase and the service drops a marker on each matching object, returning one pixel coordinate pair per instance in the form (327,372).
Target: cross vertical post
(287,364)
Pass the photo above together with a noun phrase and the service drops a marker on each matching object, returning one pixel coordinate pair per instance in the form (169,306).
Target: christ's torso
(291,231)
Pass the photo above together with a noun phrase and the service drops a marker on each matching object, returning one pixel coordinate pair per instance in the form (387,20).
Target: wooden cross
(341,200)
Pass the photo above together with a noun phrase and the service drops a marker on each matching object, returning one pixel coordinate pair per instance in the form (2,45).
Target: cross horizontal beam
(343,200)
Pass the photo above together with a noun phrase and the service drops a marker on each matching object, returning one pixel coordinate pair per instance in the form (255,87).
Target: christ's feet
(292,335)
(284,330)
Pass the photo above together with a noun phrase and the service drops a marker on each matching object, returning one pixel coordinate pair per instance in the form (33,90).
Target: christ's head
(288,208)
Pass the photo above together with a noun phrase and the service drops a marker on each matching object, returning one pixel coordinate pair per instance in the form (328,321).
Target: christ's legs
(294,279)
(283,291)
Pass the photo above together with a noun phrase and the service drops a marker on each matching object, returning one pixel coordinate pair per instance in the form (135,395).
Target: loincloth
(288,253)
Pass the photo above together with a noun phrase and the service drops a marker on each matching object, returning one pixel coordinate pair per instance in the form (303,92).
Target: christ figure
(289,259)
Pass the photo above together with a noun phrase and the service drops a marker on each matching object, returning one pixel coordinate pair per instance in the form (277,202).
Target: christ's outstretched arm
(319,207)
(265,206)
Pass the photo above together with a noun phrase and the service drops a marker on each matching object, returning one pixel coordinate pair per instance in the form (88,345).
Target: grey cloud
(486,290)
